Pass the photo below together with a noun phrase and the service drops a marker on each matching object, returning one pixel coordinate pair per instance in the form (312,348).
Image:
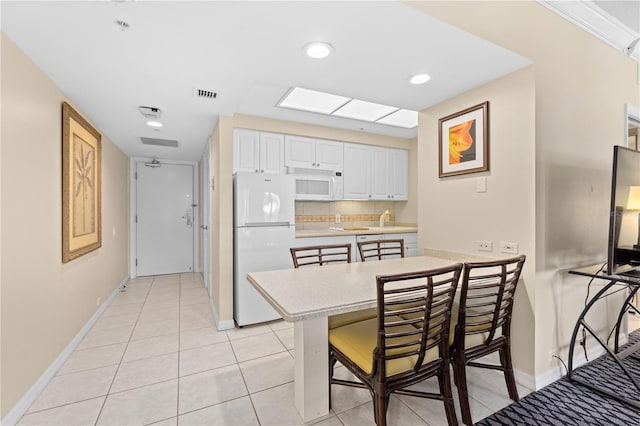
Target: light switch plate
(481,184)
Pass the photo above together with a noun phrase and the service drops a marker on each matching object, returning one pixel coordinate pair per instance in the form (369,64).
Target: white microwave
(318,185)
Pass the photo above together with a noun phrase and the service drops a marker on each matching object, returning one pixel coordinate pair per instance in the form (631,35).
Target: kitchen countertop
(371,230)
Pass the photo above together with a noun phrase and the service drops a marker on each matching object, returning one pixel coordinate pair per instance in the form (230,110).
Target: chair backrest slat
(486,296)
(414,313)
(320,255)
(381,249)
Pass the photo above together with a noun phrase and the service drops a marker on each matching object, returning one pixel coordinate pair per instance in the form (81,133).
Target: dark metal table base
(617,355)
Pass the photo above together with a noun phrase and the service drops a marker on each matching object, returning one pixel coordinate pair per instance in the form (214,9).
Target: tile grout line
(123,354)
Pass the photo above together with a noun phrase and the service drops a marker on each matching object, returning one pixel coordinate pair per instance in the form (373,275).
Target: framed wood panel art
(463,141)
(81,186)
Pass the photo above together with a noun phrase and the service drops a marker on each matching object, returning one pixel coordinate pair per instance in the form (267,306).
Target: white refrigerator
(264,230)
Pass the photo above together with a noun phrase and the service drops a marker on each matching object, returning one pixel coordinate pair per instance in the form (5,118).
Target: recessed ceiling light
(154,124)
(419,79)
(318,49)
(311,100)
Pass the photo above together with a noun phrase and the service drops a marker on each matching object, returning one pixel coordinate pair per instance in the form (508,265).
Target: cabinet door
(246,151)
(329,155)
(299,152)
(380,173)
(357,172)
(271,153)
(399,174)
(410,243)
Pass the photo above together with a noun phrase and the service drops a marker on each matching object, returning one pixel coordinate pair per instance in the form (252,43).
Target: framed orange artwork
(463,141)
(81,186)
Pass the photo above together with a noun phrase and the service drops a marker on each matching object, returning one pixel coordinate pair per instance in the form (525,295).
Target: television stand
(633,284)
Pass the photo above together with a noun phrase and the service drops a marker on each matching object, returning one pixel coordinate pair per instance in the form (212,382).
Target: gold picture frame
(463,141)
(81,186)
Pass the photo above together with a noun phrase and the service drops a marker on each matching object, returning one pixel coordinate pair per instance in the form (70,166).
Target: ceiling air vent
(170,143)
(150,112)
(205,94)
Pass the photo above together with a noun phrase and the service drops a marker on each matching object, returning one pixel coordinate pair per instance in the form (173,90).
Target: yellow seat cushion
(470,340)
(358,340)
(350,317)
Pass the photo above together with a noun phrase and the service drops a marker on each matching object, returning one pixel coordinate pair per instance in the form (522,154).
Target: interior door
(164,219)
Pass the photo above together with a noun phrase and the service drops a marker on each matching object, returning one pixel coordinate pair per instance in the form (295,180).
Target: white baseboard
(556,373)
(21,407)
(220,325)
(524,379)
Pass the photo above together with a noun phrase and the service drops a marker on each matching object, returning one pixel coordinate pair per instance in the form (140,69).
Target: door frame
(133,202)
(205,182)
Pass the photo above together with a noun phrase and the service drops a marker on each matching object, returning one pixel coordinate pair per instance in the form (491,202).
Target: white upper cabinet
(271,153)
(380,173)
(357,172)
(368,172)
(375,173)
(399,174)
(309,153)
(330,155)
(257,152)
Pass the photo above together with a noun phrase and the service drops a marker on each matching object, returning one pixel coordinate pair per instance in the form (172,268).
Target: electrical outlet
(484,245)
(553,353)
(508,247)
(338,218)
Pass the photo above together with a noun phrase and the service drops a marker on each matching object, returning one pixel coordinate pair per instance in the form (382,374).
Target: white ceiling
(625,11)
(250,53)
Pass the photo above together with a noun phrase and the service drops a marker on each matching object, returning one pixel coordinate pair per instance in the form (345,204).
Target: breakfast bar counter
(307,296)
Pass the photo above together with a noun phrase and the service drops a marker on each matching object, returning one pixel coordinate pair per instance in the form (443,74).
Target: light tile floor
(155,357)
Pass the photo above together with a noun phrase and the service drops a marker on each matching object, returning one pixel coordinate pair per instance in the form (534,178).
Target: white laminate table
(307,296)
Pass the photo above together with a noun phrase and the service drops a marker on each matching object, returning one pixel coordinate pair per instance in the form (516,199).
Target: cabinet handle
(262,171)
(256,170)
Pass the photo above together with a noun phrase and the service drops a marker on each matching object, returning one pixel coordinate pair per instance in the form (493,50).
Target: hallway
(155,357)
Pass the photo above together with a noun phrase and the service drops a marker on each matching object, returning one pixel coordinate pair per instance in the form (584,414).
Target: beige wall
(222,197)
(46,303)
(222,219)
(581,86)
(453,216)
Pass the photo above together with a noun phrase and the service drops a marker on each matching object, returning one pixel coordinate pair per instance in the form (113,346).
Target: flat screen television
(624,218)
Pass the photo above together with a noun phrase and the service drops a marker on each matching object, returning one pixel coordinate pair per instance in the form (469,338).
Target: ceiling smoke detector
(151,113)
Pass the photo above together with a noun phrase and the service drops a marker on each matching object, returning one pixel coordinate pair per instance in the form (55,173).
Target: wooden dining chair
(321,255)
(380,249)
(324,255)
(484,323)
(406,343)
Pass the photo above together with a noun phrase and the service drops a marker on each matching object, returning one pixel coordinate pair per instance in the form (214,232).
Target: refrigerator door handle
(263,224)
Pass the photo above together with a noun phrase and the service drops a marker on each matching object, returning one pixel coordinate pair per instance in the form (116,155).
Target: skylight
(401,118)
(311,100)
(340,106)
(361,110)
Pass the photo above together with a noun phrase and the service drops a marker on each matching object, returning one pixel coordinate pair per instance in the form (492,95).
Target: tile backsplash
(312,215)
